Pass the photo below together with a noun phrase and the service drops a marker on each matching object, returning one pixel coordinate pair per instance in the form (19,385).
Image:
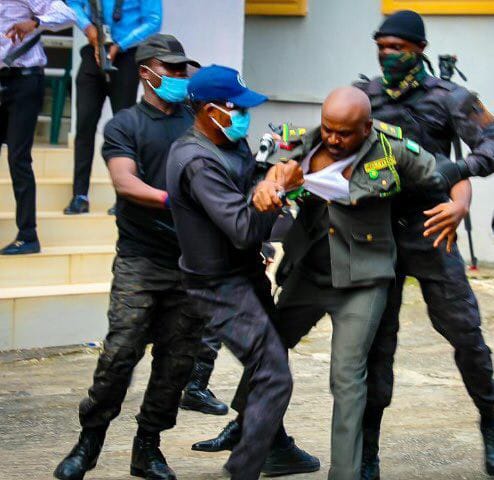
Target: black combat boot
(288,460)
(148,461)
(83,456)
(370,455)
(226,440)
(487,429)
(197,396)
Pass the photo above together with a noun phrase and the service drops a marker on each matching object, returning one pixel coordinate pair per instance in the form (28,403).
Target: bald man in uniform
(339,258)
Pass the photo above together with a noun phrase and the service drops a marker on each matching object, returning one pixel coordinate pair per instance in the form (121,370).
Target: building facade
(297,60)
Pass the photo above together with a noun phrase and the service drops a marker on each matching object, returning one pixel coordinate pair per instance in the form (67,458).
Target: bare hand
(445,218)
(18,32)
(289,175)
(112,53)
(266,197)
(91,33)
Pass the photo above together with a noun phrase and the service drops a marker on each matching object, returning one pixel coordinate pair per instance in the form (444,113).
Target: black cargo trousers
(147,305)
(240,312)
(209,348)
(453,311)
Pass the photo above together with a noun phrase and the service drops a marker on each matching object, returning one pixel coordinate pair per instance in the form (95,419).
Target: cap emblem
(241,81)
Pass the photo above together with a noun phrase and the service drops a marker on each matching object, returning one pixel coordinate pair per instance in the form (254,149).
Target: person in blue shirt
(129,23)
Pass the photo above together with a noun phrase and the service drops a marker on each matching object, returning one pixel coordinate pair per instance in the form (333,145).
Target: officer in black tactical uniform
(430,111)
(147,301)
(210,175)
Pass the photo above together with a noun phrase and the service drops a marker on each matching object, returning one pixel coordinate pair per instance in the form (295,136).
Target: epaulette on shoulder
(436,82)
(388,129)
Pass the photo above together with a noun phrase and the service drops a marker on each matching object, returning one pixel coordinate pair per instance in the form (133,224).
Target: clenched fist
(288,175)
(266,198)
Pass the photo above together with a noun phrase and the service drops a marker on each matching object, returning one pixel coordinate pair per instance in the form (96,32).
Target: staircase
(60,296)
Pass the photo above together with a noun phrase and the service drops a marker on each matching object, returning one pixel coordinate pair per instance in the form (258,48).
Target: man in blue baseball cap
(210,175)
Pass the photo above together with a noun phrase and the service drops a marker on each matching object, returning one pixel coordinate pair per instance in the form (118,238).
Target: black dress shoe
(148,461)
(20,247)
(83,456)
(77,206)
(289,460)
(487,429)
(226,440)
(370,455)
(197,396)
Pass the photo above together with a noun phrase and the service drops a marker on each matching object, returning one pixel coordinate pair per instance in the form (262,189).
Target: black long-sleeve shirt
(220,232)
(433,114)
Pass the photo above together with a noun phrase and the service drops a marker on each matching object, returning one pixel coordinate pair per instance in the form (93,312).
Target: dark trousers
(20,104)
(240,312)
(92,90)
(147,305)
(210,346)
(355,315)
(454,313)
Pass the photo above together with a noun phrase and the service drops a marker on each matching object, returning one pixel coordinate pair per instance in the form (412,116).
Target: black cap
(405,24)
(165,48)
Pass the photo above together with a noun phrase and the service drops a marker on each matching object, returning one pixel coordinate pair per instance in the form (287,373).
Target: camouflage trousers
(147,305)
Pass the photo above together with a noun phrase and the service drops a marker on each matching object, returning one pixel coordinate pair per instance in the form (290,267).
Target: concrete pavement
(430,432)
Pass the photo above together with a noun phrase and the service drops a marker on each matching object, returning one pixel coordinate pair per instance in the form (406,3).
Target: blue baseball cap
(222,84)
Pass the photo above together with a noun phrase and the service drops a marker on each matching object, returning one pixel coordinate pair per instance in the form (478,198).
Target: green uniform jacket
(360,236)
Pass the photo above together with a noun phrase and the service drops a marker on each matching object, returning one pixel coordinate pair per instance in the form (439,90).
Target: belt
(20,71)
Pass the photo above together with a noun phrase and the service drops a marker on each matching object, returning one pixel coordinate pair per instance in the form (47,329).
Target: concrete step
(57,266)
(56,229)
(33,317)
(54,194)
(55,161)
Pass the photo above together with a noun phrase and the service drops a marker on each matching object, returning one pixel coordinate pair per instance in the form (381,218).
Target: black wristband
(451,172)
(463,169)
(36,20)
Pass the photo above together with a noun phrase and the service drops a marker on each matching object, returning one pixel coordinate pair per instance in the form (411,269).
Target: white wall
(297,61)
(210,30)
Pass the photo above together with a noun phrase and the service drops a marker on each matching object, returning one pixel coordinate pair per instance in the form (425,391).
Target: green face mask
(397,66)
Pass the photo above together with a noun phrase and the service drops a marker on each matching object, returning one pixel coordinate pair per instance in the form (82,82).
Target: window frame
(277,7)
(440,7)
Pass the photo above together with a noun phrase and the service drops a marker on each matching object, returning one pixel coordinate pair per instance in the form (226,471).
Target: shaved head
(348,104)
(345,121)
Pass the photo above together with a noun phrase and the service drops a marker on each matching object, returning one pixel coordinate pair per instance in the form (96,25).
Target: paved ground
(429,433)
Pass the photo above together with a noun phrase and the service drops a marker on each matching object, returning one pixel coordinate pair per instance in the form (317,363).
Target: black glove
(450,172)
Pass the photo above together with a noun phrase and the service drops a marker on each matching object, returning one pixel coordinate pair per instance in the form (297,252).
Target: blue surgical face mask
(171,89)
(239,127)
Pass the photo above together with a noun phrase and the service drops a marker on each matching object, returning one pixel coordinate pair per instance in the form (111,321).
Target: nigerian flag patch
(412,146)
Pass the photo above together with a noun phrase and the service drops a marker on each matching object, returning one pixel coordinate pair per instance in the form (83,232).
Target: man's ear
(144,73)
(368,127)
(208,109)
(212,112)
